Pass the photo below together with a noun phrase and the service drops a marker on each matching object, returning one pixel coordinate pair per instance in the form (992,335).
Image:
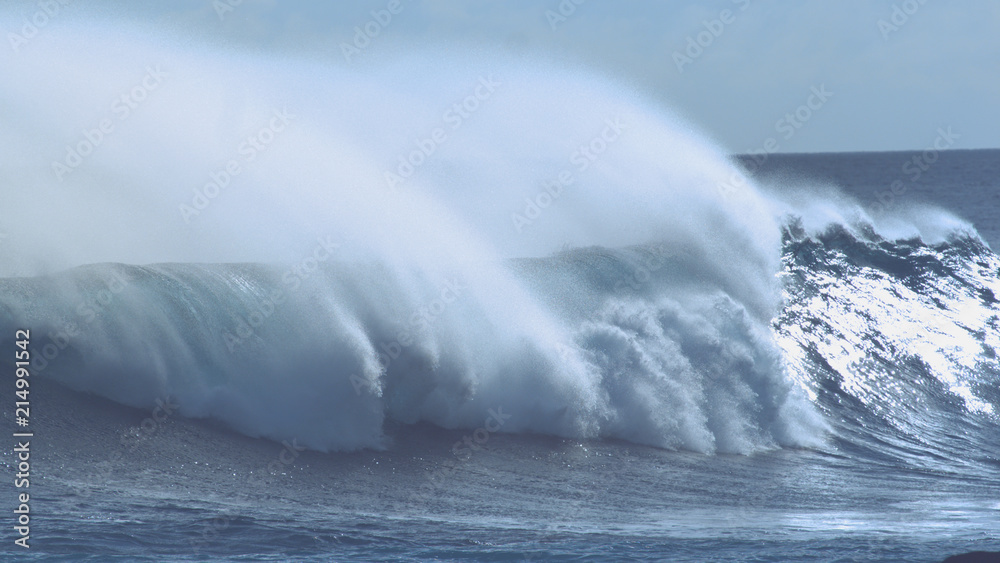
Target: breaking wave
(308,251)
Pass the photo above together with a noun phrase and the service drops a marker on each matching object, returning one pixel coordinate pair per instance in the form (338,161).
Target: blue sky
(897,71)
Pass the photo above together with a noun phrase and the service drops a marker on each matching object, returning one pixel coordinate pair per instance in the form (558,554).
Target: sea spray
(628,360)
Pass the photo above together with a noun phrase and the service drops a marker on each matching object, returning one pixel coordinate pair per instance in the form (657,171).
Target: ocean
(281,310)
(895,342)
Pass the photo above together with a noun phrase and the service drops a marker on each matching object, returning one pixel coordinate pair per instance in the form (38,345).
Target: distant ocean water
(858,424)
(963,181)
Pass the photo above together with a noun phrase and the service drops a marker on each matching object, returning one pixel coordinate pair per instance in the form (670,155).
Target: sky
(847,75)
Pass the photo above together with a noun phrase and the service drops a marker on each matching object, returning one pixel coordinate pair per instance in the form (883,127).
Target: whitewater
(347,259)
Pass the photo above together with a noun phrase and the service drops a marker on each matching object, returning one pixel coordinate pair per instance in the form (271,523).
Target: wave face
(643,352)
(336,249)
(897,338)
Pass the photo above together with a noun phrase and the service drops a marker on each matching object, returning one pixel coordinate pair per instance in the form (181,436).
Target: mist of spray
(131,147)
